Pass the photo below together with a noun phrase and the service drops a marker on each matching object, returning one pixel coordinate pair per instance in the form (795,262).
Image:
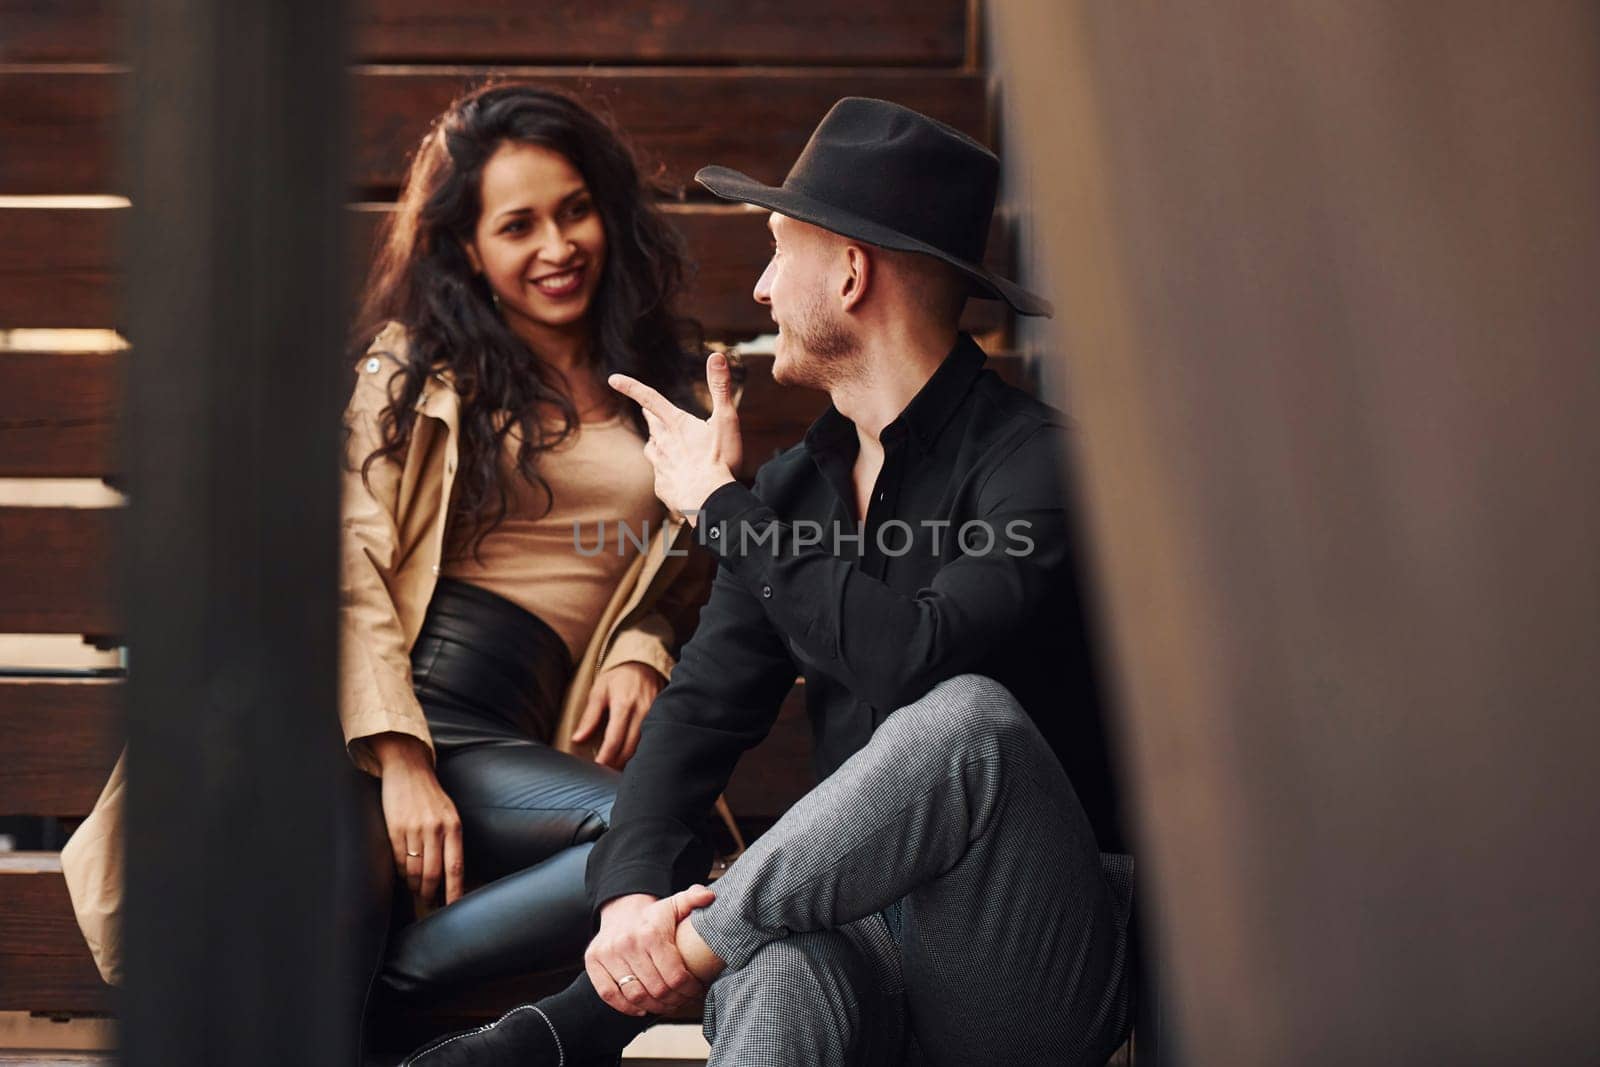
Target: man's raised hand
(692,457)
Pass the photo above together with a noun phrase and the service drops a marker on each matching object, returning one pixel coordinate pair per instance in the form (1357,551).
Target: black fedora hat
(891,177)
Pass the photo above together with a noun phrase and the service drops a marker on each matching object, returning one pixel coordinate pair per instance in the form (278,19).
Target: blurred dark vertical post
(1326,280)
(235,311)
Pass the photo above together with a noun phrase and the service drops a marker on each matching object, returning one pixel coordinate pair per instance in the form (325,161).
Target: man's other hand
(634,960)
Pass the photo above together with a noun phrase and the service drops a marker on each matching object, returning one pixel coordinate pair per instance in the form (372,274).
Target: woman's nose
(554,244)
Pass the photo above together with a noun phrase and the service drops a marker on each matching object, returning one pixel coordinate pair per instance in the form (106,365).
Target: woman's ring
(625,979)
(413,855)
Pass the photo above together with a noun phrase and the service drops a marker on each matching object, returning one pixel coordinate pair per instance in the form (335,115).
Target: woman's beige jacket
(393,538)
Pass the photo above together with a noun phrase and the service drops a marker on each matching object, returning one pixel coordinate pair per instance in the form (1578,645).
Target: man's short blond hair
(938,288)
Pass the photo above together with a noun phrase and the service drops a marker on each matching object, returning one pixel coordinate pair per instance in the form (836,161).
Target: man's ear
(857,276)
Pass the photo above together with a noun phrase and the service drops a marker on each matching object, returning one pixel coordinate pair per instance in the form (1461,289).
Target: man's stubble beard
(827,349)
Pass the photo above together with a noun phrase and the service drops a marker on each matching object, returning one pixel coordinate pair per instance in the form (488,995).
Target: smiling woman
(540,244)
(481,648)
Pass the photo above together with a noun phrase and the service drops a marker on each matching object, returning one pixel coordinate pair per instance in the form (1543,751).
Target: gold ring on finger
(625,979)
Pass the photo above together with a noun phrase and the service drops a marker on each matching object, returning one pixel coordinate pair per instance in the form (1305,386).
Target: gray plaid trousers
(937,900)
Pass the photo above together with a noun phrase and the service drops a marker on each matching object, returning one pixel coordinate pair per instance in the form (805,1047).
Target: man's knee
(965,713)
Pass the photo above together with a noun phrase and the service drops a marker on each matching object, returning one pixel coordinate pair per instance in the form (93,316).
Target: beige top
(561,556)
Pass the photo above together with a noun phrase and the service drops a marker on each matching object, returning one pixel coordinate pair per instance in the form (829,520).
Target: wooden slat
(60,31)
(932,32)
(58,414)
(55,570)
(59,126)
(61,738)
(666,31)
(61,270)
(44,964)
(58,129)
(753,120)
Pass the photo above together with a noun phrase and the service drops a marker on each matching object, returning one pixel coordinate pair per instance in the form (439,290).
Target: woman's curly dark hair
(423,280)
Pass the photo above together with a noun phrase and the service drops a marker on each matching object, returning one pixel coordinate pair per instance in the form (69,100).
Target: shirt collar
(922,419)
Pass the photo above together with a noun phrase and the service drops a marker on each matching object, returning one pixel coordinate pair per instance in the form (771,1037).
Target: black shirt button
(766,592)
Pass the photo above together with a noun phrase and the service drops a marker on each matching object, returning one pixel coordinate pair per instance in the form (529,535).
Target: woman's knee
(531,778)
(521,804)
(595,820)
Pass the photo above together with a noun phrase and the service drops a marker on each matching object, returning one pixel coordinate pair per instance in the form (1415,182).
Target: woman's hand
(424,829)
(622,695)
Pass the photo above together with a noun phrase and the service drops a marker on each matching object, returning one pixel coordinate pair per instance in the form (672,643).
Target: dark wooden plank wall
(690,82)
(59,124)
(58,414)
(55,568)
(61,738)
(59,270)
(69,276)
(43,964)
(820,32)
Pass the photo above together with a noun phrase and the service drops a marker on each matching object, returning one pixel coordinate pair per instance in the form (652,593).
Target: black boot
(522,1037)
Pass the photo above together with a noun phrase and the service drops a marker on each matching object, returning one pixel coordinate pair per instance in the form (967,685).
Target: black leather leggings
(491,677)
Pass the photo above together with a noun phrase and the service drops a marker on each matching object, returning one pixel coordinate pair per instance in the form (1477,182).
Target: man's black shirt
(966,563)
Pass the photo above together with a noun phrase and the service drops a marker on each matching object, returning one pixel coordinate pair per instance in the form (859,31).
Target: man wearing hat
(940,897)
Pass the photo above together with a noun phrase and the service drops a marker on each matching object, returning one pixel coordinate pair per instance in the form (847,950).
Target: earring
(495,297)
